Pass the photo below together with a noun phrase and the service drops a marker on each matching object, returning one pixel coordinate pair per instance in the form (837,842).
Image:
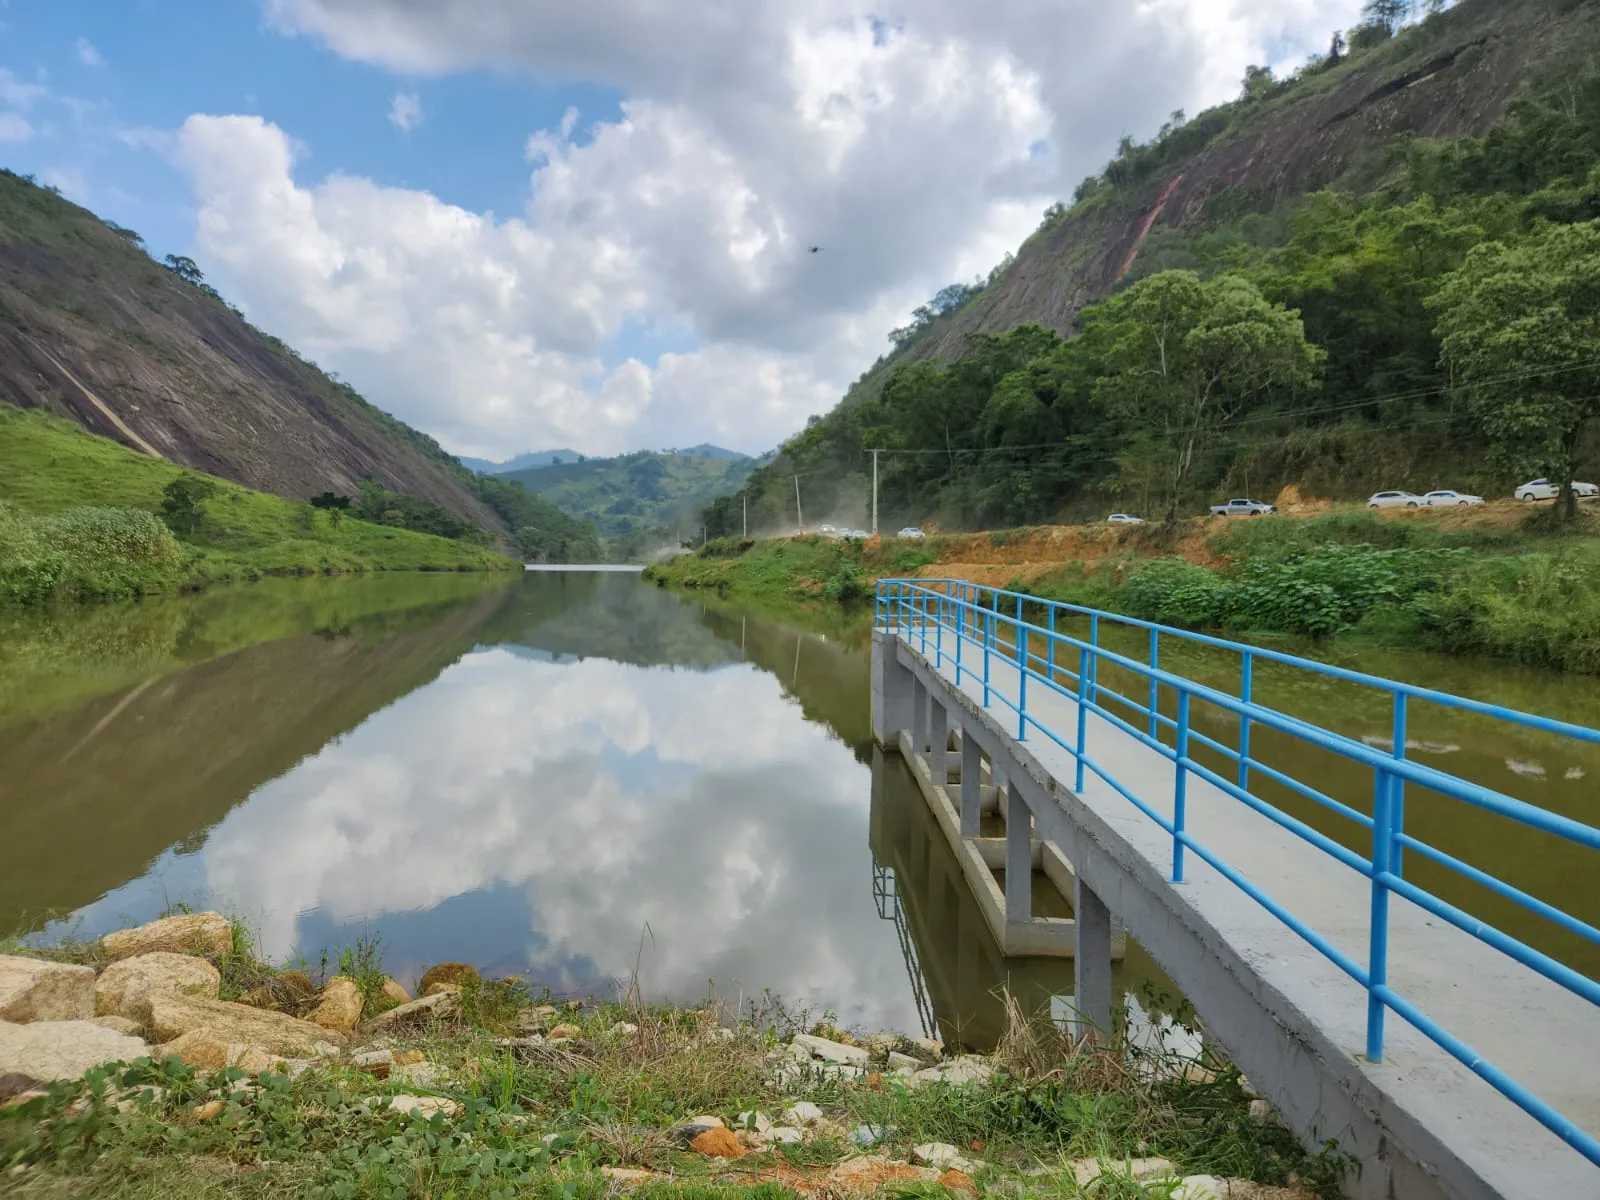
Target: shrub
(87,554)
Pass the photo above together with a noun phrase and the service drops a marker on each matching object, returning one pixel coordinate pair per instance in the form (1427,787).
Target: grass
(543,1118)
(50,469)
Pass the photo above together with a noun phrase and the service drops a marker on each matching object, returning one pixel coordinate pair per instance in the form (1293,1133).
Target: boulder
(904,1063)
(340,1006)
(565,1033)
(424,1106)
(456,974)
(834,1052)
(15,1085)
(207,933)
(967,1069)
(441,1006)
(63,1049)
(282,993)
(172,1016)
(124,988)
(393,993)
(1141,1170)
(1202,1187)
(942,1155)
(199,1048)
(125,1025)
(717,1143)
(32,989)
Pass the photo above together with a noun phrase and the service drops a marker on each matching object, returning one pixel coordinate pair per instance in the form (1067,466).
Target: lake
(573,777)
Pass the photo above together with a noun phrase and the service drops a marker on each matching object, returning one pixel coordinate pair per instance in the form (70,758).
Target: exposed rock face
(340,1006)
(172,1016)
(457,974)
(62,1049)
(124,988)
(201,1049)
(189,933)
(34,990)
(441,1006)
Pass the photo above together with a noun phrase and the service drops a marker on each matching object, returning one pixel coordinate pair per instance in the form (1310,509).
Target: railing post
(1246,686)
(938,634)
(961,624)
(1094,662)
(1378,935)
(1397,789)
(988,639)
(1155,688)
(1022,684)
(1180,788)
(1051,649)
(1083,712)
(922,619)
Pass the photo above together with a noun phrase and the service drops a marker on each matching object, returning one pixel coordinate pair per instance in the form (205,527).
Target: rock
(203,1049)
(717,1143)
(879,1045)
(1143,1170)
(207,933)
(282,992)
(1248,1088)
(14,1084)
(872,1172)
(967,1069)
(942,1155)
(172,1016)
(324,1049)
(757,1121)
(869,1135)
(802,1114)
(1261,1112)
(834,1052)
(624,1029)
(783,1135)
(441,1006)
(393,992)
(124,988)
(436,989)
(49,1050)
(628,1174)
(404,1058)
(903,1063)
(21,1098)
(423,1106)
(456,974)
(123,1025)
(32,989)
(691,1128)
(960,1182)
(563,1033)
(419,1074)
(340,1006)
(1201,1187)
(928,1049)
(546,1011)
(211,1108)
(371,1058)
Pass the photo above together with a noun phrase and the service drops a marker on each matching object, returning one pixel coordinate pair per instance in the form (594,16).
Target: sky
(527,223)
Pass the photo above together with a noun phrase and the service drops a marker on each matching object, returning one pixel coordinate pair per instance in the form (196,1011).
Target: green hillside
(1369,275)
(636,498)
(78,520)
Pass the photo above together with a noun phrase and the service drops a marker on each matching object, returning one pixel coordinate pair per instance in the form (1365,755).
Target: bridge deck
(1543,1035)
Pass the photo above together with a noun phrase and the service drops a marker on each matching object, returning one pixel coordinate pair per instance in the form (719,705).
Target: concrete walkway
(1421,1123)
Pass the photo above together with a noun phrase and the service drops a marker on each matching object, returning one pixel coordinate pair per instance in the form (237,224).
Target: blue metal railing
(922,611)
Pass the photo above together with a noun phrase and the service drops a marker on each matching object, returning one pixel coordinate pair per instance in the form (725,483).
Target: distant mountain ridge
(522,462)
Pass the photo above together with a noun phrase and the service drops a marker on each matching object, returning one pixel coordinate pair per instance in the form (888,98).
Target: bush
(87,554)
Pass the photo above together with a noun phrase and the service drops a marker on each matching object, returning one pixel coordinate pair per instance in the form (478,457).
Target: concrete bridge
(1293,948)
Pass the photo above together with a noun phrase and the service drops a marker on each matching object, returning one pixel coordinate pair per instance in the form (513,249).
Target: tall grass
(87,554)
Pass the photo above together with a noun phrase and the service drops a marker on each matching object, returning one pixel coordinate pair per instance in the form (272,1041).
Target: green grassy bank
(1527,592)
(79,521)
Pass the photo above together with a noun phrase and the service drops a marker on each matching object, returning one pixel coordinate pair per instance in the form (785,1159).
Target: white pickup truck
(1242,508)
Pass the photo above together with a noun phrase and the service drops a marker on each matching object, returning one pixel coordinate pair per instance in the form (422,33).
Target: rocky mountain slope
(92,328)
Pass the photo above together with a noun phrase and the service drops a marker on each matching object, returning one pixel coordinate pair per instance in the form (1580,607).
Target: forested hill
(1284,289)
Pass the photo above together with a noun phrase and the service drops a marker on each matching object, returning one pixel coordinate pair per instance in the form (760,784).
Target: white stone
(372,1058)
(1201,1187)
(1262,1113)
(437,1007)
(124,988)
(935,1049)
(757,1121)
(903,1062)
(188,933)
(802,1114)
(957,1071)
(422,1075)
(1142,1170)
(47,1050)
(833,1052)
(786,1135)
(942,1155)
(625,1029)
(32,989)
(424,1106)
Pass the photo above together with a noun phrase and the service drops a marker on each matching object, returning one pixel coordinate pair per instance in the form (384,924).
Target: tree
(182,503)
(1336,48)
(1388,13)
(1258,82)
(1185,356)
(334,503)
(1519,327)
(184,268)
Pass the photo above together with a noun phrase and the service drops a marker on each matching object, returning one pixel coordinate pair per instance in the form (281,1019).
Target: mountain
(635,494)
(707,450)
(522,462)
(1334,205)
(92,328)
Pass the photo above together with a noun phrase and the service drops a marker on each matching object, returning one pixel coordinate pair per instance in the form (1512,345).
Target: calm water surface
(569,775)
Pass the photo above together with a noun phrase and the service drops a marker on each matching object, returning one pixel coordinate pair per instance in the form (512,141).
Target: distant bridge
(1293,948)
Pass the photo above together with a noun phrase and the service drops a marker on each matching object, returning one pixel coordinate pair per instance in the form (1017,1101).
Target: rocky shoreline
(355,1086)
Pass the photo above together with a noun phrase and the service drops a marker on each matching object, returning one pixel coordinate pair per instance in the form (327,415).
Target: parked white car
(1444,497)
(911,531)
(1124,519)
(1394,500)
(1543,489)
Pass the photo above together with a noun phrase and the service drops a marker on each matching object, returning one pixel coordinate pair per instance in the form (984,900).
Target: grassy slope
(49,465)
(629,494)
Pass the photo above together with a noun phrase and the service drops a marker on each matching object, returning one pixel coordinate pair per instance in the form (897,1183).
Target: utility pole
(745,496)
(874,491)
(798,519)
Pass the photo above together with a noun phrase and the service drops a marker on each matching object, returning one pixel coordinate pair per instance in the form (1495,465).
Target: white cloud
(915,150)
(14,127)
(88,55)
(70,181)
(405,112)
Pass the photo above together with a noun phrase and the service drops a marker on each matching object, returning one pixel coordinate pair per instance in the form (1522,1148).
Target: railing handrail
(942,604)
(1263,653)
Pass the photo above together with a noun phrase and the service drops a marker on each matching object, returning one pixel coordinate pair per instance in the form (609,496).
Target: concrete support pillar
(919,715)
(1019,859)
(1091,967)
(938,741)
(971,786)
(891,691)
